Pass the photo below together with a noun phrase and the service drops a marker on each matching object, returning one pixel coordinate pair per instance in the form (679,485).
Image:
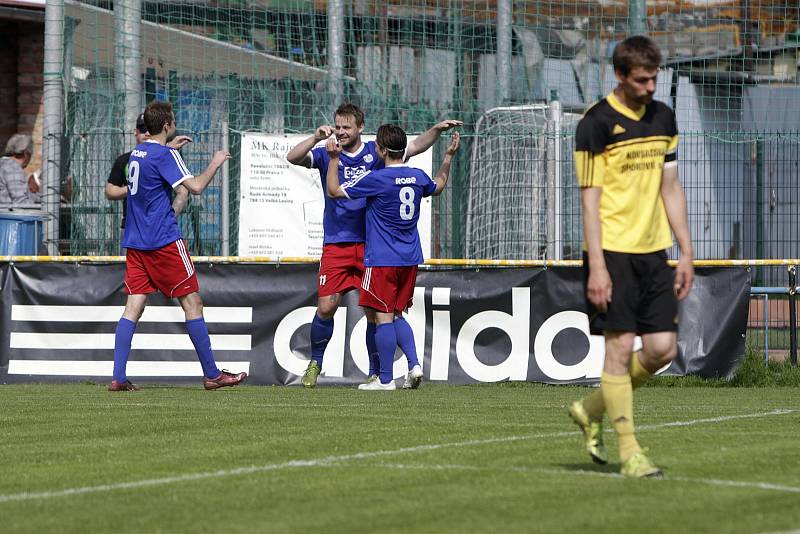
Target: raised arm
(443,173)
(332,185)
(198,184)
(179,142)
(300,154)
(426,140)
(675,206)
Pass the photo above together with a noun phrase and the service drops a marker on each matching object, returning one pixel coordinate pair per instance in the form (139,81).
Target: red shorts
(340,268)
(388,289)
(168,269)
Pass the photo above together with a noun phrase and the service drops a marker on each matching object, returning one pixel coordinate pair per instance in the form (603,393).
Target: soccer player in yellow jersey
(626,163)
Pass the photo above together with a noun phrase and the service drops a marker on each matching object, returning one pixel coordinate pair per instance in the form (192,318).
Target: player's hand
(448,124)
(333,147)
(220,157)
(179,142)
(684,277)
(454,144)
(598,288)
(323,132)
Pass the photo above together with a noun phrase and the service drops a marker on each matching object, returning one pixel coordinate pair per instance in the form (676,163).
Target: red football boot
(122,386)
(224,379)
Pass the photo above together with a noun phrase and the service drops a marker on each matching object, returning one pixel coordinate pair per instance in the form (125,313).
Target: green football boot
(640,466)
(592,433)
(309,379)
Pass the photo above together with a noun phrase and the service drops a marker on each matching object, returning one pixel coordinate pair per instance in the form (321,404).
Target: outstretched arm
(675,206)
(332,185)
(444,171)
(198,184)
(299,155)
(425,141)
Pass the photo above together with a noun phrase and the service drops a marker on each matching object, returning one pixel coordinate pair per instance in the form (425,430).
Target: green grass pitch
(503,458)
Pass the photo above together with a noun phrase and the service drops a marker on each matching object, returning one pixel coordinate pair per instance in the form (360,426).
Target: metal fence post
(792,315)
(226,194)
(504,53)
(766,330)
(555,247)
(127,62)
(53,120)
(336,47)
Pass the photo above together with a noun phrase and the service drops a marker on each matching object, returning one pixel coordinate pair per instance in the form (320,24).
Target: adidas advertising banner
(472,325)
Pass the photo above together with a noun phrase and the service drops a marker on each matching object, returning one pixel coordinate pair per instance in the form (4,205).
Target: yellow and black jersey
(625,152)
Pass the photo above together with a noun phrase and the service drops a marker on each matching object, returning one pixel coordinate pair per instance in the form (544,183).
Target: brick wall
(30,105)
(8,82)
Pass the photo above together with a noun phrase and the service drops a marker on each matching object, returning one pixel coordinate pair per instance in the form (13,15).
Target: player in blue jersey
(393,250)
(341,266)
(157,258)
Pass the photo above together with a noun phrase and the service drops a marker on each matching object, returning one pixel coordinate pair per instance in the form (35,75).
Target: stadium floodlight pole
(336,37)
(226,195)
(504,40)
(637,17)
(53,120)
(128,61)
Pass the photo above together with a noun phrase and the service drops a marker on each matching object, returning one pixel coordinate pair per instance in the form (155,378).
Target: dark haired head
(393,139)
(157,115)
(140,125)
(636,51)
(350,110)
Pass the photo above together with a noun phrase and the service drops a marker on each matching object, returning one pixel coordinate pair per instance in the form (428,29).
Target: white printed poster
(281,205)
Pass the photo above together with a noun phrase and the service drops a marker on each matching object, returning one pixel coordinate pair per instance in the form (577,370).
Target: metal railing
(773,312)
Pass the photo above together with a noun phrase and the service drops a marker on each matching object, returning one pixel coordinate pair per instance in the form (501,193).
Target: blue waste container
(20,235)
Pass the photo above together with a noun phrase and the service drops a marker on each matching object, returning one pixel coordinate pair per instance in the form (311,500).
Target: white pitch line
(580,472)
(722,419)
(29,496)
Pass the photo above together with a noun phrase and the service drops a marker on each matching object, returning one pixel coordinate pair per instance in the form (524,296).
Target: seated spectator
(15,189)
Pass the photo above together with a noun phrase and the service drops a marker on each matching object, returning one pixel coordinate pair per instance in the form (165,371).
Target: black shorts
(642,298)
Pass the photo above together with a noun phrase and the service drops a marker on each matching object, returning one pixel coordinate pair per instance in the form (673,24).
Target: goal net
(522,203)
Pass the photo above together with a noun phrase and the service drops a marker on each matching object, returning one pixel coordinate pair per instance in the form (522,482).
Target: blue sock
(321,333)
(122,347)
(372,351)
(405,338)
(386,340)
(198,333)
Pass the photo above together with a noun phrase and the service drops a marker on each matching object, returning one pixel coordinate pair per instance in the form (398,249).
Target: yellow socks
(639,375)
(594,404)
(618,397)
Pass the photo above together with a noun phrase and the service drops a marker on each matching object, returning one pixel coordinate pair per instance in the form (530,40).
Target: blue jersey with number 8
(394,195)
(153,171)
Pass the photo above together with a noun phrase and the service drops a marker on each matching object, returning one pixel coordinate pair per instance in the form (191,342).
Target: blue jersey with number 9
(394,195)
(153,171)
